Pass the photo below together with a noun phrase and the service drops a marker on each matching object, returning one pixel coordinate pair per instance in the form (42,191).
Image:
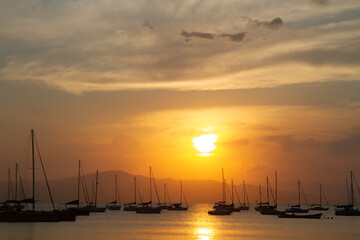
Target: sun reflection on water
(204,233)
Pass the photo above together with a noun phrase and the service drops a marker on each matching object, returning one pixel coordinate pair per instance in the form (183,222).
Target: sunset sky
(127,84)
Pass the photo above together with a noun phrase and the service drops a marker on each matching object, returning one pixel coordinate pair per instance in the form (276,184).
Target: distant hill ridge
(196,191)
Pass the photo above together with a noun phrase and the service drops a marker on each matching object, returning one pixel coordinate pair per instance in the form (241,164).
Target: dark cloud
(238,37)
(274,24)
(321,2)
(208,36)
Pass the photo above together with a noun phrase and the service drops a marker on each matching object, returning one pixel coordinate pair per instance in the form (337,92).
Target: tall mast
(222,181)
(16,178)
(33,168)
(351,189)
(180,191)
(165,193)
(232,191)
(96,186)
(78,193)
(150,186)
(116,188)
(320,196)
(276,196)
(9,185)
(244,190)
(135,189)
(224,186)
(260,193)
(347,191)
(299,191)
(267,189)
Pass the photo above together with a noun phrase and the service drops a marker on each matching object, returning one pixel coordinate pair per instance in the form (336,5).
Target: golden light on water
(204,233)
(205,144)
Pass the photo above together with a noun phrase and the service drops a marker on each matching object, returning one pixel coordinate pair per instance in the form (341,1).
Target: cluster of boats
(24,210)
(293,211)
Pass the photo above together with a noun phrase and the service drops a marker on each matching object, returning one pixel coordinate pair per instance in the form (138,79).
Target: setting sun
(205,143)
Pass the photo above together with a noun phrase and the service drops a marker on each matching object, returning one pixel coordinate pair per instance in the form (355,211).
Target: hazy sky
(128,84)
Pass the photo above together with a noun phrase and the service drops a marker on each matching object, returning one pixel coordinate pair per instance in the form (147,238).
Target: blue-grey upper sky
(88,45)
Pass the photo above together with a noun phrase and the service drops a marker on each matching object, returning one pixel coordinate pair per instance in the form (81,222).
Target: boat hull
(177,208)
(30,217)
(309,216)
(347,212)
(296,210)
(264,208)
(114,207)
(219,212)
(148,210)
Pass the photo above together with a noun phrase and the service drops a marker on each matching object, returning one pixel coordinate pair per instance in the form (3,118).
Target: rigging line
(227,187)
(185,198)
(43,168)
(247,197)
(157,195)
(82,187)
(102,189)
(137,187)
(117,188)
(322,189)
(22,188)
(302,190)
(237,195)
(86,192)
(27,143)
(272,194)
(168,195)
(357,186)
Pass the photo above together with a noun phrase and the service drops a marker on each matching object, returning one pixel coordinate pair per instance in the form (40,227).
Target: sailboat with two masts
(147,207)
(179,206)
(115,204)
(246,204)
(272,210)
(266,205)
(349,210)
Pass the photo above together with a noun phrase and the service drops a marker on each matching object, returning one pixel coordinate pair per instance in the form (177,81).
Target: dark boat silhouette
(319,206)
(297,208)
(221,208)
(93,207)
(266,205)
(76,209)
(273,211)
(115,205)
(147,207)
(179,206)
(293,215)
(132,205)
(350,209)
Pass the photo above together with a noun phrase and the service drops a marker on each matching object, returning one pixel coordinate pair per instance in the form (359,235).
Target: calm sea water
(192,224)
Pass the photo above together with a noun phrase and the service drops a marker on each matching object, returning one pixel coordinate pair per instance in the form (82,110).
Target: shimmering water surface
(192,224)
